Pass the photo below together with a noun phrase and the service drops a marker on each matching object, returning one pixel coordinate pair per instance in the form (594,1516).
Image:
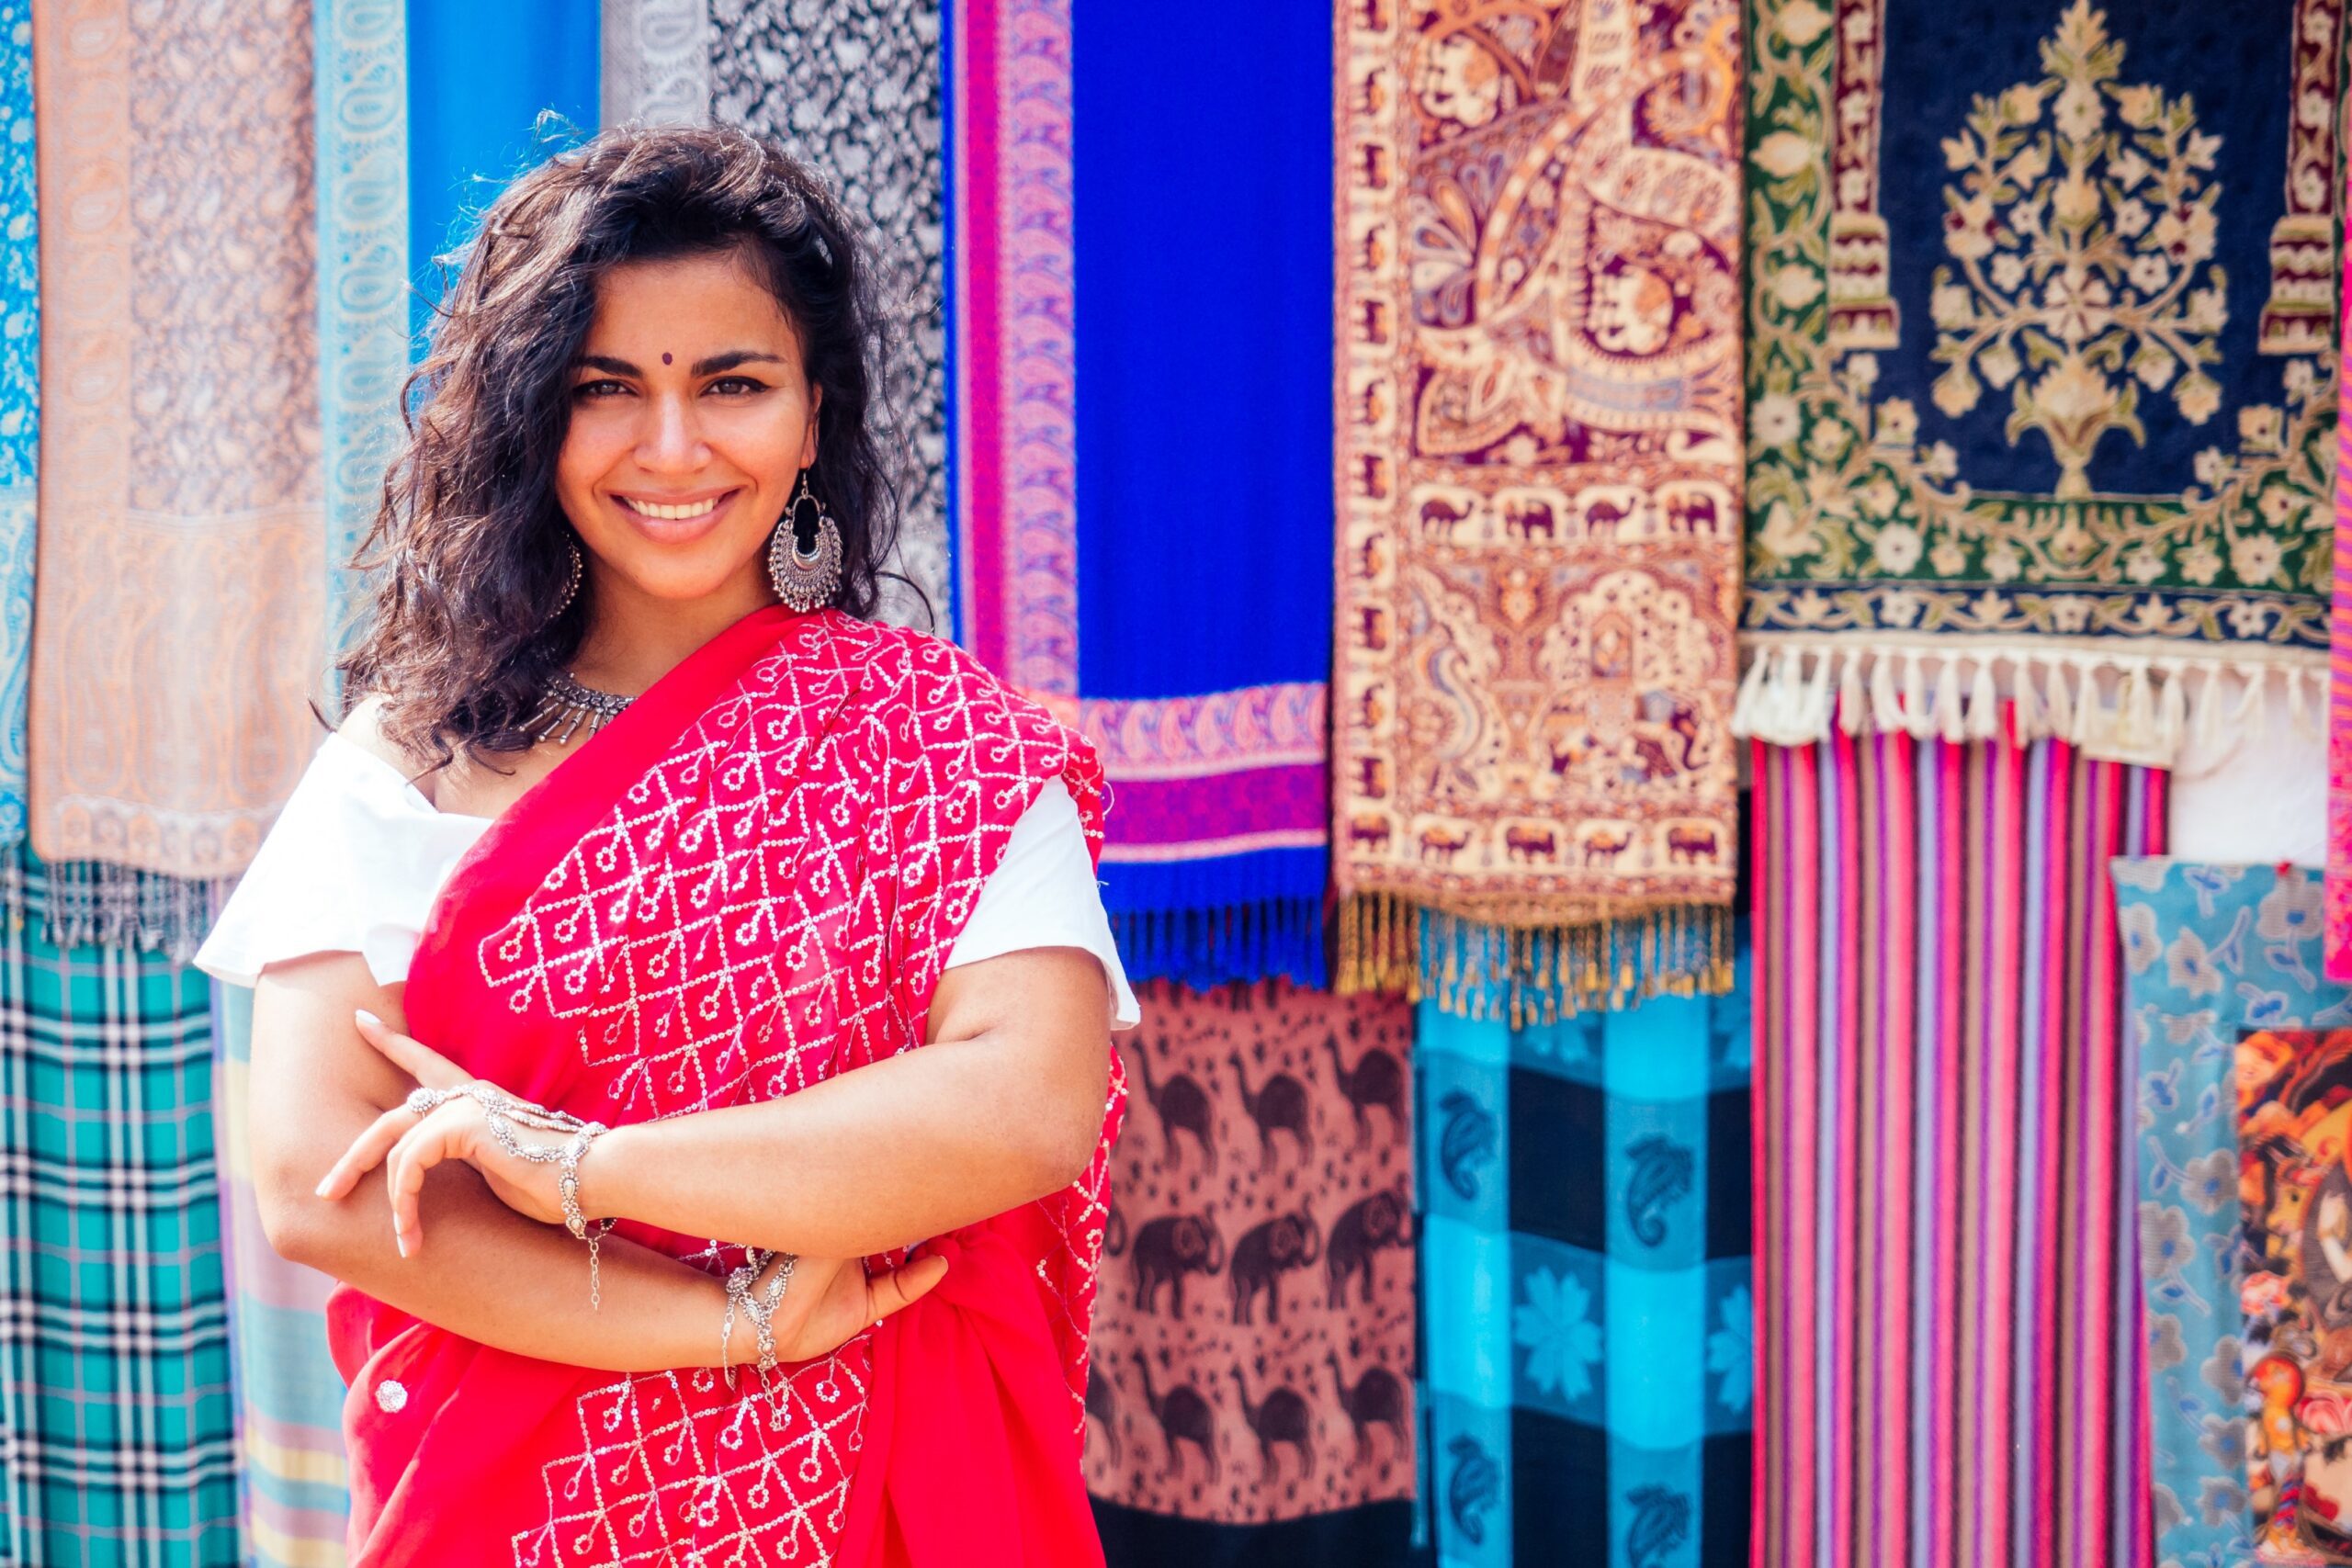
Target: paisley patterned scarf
(1539,415)
(746,883)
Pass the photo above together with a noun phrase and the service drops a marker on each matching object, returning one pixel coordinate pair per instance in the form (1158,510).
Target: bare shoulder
(363,728)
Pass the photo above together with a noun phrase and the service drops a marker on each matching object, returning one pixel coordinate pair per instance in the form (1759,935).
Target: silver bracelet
(759,1310)
(500,1112)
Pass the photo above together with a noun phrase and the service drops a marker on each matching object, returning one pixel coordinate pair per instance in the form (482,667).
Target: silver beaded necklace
(567,705)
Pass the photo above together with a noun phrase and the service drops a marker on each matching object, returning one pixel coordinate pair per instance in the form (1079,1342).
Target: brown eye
(597,389)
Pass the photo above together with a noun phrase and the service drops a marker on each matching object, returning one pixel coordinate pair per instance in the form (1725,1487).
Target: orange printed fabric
(1538,411)
(2295,1290)
(180,586)
(1253,1333)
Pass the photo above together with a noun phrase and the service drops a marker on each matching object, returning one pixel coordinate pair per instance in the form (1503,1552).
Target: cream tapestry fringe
(2157,710)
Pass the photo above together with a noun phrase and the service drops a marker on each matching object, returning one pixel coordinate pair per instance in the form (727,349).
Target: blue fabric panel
(1202,187)
(478,77)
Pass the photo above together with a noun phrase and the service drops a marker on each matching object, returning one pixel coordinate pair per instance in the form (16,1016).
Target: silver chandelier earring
(805,580)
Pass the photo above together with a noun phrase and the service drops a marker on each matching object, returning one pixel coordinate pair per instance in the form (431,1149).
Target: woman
(640,825)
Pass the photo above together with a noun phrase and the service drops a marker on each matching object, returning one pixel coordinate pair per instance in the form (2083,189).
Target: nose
(671,440)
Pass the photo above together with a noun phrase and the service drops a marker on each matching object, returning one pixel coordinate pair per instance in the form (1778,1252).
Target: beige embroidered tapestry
(181,579)
(1539,466)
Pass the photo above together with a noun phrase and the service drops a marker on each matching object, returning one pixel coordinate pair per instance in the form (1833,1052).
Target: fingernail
(402,1242)
(364,1016)
(321,1189)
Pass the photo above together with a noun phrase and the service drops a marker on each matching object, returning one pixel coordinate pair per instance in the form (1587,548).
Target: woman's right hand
(830,1299)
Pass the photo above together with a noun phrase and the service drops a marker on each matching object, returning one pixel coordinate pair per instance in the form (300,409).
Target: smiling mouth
(674,511)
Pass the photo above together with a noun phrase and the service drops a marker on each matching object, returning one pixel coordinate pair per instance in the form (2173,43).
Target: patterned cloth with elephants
(1253,1351)
(1538,411)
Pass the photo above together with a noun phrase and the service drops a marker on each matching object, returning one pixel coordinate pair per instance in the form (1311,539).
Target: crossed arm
(1003,1108)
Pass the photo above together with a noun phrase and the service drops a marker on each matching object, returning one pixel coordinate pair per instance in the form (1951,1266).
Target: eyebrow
(709,367)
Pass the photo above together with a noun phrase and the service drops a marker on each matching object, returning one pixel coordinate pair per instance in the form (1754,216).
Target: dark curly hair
(466,556)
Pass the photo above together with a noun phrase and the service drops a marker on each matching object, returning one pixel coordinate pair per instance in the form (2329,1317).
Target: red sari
(748,882)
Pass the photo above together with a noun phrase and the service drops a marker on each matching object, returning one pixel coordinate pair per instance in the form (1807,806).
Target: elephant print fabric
(1254,1339)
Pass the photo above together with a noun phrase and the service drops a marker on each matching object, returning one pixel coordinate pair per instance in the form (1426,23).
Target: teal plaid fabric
(117,1440)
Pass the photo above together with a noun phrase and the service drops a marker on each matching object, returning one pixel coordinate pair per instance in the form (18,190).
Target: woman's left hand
(408,1146)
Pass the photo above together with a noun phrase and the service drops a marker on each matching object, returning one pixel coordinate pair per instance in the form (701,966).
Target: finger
(366,1151)
(419,1149)
(901,1288)
(411,1056)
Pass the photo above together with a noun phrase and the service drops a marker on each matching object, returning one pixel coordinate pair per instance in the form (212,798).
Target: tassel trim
(1203,948)
(81,903)
(1537,974)
(2157,710)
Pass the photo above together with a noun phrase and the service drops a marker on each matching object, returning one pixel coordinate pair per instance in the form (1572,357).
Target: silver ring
(423,1101)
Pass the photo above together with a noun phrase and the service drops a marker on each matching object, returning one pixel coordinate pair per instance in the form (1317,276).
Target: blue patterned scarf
(1586,1312)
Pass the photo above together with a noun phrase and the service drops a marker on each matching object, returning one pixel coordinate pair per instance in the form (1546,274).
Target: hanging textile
(362,96)
(1253,1336)
(1947,1277)
(657,61)
(289,1397)
(2209,954)
(1129,550)
(115,1389)
(2294,1099)
(1538,407)
(2339,682)
(19,400)
(481,78)
(2041,387)
(1586,1296)
(855,89)
(1203,521)
(178,631)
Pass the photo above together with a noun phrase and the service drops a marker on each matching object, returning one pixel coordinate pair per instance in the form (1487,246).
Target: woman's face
(691,419)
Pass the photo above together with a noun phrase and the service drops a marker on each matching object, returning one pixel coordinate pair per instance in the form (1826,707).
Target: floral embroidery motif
(2077,293)
(2083,230)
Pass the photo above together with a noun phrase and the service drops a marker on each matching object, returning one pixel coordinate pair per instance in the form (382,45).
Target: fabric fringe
(2154,710)
(1203,948)
(1532,975)
(81,903)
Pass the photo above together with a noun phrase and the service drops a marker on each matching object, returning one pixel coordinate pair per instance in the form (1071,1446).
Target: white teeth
(675,513)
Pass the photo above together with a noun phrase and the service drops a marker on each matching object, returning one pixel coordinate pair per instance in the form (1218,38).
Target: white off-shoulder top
(354,862)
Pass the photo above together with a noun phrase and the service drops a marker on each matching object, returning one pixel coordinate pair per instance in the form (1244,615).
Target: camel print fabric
(1253,1344)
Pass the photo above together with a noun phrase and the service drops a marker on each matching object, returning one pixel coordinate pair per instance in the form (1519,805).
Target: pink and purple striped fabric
(2338,925)
(1947,1277)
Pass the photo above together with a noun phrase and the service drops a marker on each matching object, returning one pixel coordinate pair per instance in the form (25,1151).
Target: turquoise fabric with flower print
(2210,954)
(1586,1310)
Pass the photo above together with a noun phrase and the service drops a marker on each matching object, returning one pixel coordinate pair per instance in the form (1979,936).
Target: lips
(679,519)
